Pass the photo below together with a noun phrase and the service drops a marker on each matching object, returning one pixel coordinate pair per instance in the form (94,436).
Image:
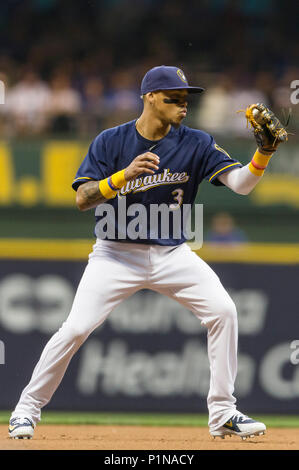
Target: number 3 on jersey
(177,196)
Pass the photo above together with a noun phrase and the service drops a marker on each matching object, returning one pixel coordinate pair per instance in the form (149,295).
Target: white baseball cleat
(21,427)
(240,425)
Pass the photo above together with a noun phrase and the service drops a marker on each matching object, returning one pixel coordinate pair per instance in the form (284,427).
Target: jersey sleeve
(217,162)
(95,165)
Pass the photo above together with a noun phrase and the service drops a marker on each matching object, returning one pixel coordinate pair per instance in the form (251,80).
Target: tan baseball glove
(267,129)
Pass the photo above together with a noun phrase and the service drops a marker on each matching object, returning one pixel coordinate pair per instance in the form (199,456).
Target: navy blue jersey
(187,156)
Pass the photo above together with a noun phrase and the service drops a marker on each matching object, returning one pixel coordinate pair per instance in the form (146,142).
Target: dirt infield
(59,437)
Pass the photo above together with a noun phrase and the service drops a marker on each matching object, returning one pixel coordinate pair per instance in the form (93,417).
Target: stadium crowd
(75,67)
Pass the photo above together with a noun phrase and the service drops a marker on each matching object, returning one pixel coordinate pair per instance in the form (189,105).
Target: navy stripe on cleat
(21,427)
(240,425)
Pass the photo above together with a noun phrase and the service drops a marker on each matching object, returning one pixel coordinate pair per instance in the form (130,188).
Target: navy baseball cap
(166,78)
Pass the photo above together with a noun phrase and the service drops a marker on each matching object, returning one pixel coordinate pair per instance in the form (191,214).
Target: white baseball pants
(115,271)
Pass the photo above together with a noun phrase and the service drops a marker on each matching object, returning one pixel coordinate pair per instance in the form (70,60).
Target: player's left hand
(145,163)
(267,129)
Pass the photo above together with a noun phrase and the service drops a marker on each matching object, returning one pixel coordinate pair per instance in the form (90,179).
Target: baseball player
(148,161)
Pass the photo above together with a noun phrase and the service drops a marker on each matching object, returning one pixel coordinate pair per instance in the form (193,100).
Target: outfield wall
(39,172)
(150,354)
(36,198)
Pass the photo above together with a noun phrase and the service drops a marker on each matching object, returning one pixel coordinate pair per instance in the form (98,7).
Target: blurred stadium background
(71,69)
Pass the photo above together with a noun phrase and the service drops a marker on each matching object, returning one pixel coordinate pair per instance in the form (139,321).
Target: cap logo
(181,75)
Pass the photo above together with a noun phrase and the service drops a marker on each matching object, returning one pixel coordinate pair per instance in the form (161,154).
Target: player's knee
(228,310)
(223,310)
(72,333)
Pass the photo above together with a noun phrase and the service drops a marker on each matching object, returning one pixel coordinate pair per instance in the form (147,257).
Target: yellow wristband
(118,179)
(261,159)
(255,171)
(105,189)
(109,186)
(259,163)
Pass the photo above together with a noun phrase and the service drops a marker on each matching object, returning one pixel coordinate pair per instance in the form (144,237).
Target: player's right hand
(145,163)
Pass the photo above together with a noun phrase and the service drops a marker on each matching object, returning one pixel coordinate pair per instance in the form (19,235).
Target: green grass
(146,419)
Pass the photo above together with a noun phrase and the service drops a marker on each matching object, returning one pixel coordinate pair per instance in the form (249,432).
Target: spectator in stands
(242,96)
(224,230)
(265,82)
(93,106)
(219,106)
(215,110)
(63,104)
(123,97)
(25,103)
(93,95)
